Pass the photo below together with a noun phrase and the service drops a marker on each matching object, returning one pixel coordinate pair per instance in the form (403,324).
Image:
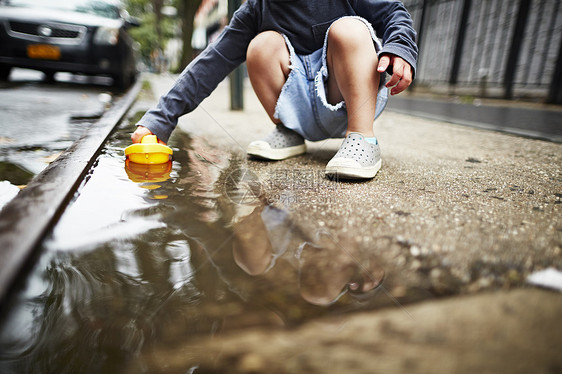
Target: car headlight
(107,35)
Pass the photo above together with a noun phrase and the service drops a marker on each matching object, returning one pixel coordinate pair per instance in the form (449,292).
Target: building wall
(488,43)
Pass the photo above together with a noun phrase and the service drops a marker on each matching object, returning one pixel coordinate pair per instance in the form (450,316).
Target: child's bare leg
(353,77)
(267,61)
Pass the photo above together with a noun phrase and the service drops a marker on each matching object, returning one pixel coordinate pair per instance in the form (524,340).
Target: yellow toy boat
(148,151)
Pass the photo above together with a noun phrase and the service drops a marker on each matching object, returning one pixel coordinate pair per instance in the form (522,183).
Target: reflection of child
(315,66)
(326,270)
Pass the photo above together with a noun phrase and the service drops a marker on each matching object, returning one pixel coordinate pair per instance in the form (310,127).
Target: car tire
(123,80)
(5,72)
(49,76)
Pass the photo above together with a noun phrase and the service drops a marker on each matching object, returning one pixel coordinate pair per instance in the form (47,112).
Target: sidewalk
(531,120)
(454,211)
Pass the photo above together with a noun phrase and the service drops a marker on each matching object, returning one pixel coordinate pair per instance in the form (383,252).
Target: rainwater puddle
(144,260)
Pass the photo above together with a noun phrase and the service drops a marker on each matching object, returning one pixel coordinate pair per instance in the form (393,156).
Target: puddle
(145,259)
(15,174)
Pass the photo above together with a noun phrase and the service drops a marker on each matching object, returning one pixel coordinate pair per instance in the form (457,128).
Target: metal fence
(495,47)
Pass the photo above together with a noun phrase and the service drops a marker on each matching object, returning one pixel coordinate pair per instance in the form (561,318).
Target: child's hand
(401,73)
(140,132)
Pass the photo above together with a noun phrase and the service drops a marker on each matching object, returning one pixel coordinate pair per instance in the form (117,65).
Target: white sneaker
(280,144)
(356,159)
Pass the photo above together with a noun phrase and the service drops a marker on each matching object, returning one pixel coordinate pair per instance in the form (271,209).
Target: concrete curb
(27,218)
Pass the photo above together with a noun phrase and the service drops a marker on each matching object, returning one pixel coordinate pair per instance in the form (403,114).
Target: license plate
(43,51)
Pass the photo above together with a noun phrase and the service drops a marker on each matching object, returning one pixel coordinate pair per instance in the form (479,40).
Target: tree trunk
(157,9)
(188,8)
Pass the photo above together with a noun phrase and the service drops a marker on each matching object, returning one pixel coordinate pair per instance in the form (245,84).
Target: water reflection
(126,274)
(325,269)
(148,173)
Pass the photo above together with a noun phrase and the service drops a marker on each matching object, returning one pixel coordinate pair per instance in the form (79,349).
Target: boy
(315,66)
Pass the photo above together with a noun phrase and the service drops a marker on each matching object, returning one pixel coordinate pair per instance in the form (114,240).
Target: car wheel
(49,76)
(122,81)
(5,72)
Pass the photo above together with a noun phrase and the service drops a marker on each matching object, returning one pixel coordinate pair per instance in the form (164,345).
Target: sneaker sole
(264,151)
(341,168)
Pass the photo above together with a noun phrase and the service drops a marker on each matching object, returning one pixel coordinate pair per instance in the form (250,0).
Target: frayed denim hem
(292,67)
(322,76)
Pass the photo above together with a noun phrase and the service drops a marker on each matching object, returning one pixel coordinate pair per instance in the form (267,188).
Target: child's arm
(393,24)
(201,76)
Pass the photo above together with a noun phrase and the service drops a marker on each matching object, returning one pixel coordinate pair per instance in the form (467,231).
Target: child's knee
(347,31)
(266,45)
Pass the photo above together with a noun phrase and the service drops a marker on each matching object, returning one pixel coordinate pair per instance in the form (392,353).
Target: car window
(96,7)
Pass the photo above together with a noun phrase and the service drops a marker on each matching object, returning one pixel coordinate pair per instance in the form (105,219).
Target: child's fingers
(405,80)
(401,77)
(400,87)
(394,79)
(139,133)
(396,72)
(383,64)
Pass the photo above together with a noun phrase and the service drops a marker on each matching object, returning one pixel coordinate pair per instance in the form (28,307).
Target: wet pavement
(146,257)
(39,119)
(219,264)
(25,219)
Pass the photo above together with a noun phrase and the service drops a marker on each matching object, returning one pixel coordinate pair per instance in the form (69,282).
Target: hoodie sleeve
(393,24)
(203,74)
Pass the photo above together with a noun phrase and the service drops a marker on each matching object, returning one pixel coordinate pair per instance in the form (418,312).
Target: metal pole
(461,36)
(420,31)
(237,76)
(555,91)
(516,42)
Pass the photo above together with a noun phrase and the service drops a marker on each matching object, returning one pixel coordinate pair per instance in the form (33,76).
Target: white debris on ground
(548,278)
(7,192)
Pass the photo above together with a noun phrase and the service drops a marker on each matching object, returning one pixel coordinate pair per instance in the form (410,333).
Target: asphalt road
(38,120)
(537,123)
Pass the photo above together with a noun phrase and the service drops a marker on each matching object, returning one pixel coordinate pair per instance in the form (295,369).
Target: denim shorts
(302,105)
